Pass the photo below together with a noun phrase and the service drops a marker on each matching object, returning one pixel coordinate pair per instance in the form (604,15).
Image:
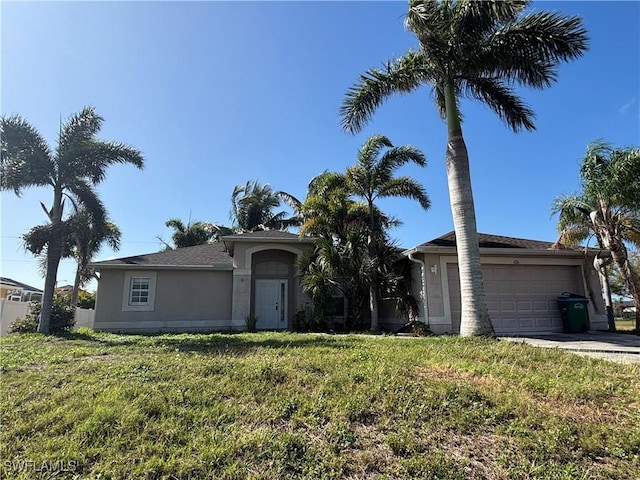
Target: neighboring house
(18,291)
(522,280)
(215,286)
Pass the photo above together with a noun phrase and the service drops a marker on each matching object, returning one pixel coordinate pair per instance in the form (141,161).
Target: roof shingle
(201,255)
(491,241)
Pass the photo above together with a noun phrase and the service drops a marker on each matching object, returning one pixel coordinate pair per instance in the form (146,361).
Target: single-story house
(17,291)
(218,286)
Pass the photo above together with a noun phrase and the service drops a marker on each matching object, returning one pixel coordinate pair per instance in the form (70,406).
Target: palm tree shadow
(220,343)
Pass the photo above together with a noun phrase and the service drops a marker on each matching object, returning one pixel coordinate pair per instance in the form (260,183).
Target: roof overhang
(122,266)
(238,238)
(501,251)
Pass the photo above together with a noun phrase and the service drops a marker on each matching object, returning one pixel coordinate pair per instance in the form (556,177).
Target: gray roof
(265,235)
(207,255)
(492,241)
(14,283)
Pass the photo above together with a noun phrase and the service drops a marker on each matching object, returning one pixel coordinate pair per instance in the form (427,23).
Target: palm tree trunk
(608,302)
(373,305)
(54,253)
(53,261)
(621,258)
(373,300)
(631,277)
(474,319)
(76,288)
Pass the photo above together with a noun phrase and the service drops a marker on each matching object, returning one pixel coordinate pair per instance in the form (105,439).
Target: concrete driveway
(616,347)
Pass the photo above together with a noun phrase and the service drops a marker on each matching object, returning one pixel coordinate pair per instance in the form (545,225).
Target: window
(139,290)
(338,304)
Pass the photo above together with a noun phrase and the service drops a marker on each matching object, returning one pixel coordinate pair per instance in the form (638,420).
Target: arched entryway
(274,288)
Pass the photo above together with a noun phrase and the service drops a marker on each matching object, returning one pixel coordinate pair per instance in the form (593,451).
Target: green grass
(276,406)
(625,325)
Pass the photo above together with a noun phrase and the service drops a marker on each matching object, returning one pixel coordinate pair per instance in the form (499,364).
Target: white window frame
(127,290)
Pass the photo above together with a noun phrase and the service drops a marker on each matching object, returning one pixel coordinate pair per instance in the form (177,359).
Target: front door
(271,304)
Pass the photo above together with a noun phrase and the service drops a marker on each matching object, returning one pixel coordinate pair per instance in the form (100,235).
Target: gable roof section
(491,241)
(207,256)
(499,244)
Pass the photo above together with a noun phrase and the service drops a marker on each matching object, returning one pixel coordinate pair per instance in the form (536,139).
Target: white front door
(271,304)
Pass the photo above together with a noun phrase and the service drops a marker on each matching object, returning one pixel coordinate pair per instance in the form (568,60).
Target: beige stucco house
(17,291)
(203,288)
(522,280)
(217,286)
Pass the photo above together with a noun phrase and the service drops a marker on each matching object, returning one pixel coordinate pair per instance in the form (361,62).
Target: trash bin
(574,313)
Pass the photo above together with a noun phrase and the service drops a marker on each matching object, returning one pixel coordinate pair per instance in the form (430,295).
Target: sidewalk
(616,347)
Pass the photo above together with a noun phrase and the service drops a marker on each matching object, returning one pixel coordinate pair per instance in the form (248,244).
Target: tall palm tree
(373,178)
(608,206)
(252,208)
(480,50)
(73,170)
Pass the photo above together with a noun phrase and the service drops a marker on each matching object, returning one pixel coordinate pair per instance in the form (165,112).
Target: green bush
(62,317)
(251,321)
(28,324)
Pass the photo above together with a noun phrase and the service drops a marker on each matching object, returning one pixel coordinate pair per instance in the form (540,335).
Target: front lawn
(275,406)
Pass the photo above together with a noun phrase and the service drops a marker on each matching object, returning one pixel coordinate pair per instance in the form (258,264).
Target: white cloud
(627,106)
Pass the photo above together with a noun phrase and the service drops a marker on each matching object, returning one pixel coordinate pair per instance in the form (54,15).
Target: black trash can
(574,313)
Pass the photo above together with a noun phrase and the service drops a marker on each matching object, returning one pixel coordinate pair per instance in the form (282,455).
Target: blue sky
(218,93)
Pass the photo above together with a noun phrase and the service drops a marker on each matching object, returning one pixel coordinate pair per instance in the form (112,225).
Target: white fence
(10,311)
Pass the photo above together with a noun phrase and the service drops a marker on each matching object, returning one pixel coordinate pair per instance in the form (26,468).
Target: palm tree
(608,207)
(73,170)
(252,207)
(372,178)
(82,240)
(574,228)
(480,50)
(191,234)
(87,237)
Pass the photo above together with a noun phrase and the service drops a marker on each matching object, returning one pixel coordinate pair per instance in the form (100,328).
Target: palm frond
(77,129)
(25,158)
(88,199)
(399,76)
(176,224)
(290,200)
(529,50)
(503,101)
(474,20)
(406,187)
(371,148)
(398,156)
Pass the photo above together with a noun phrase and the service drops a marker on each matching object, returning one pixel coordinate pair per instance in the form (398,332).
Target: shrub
(28,324)
(62,317)
(251,321)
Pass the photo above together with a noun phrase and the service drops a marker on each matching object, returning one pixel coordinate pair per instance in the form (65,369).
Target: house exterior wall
(440,318)
(185,301)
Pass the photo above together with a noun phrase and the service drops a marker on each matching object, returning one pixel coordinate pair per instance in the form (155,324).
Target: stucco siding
(187,300)
(539,287)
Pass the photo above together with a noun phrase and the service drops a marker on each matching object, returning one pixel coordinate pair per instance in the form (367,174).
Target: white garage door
(521,298)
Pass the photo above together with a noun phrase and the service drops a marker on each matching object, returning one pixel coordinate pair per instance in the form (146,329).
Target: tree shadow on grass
(220,343)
